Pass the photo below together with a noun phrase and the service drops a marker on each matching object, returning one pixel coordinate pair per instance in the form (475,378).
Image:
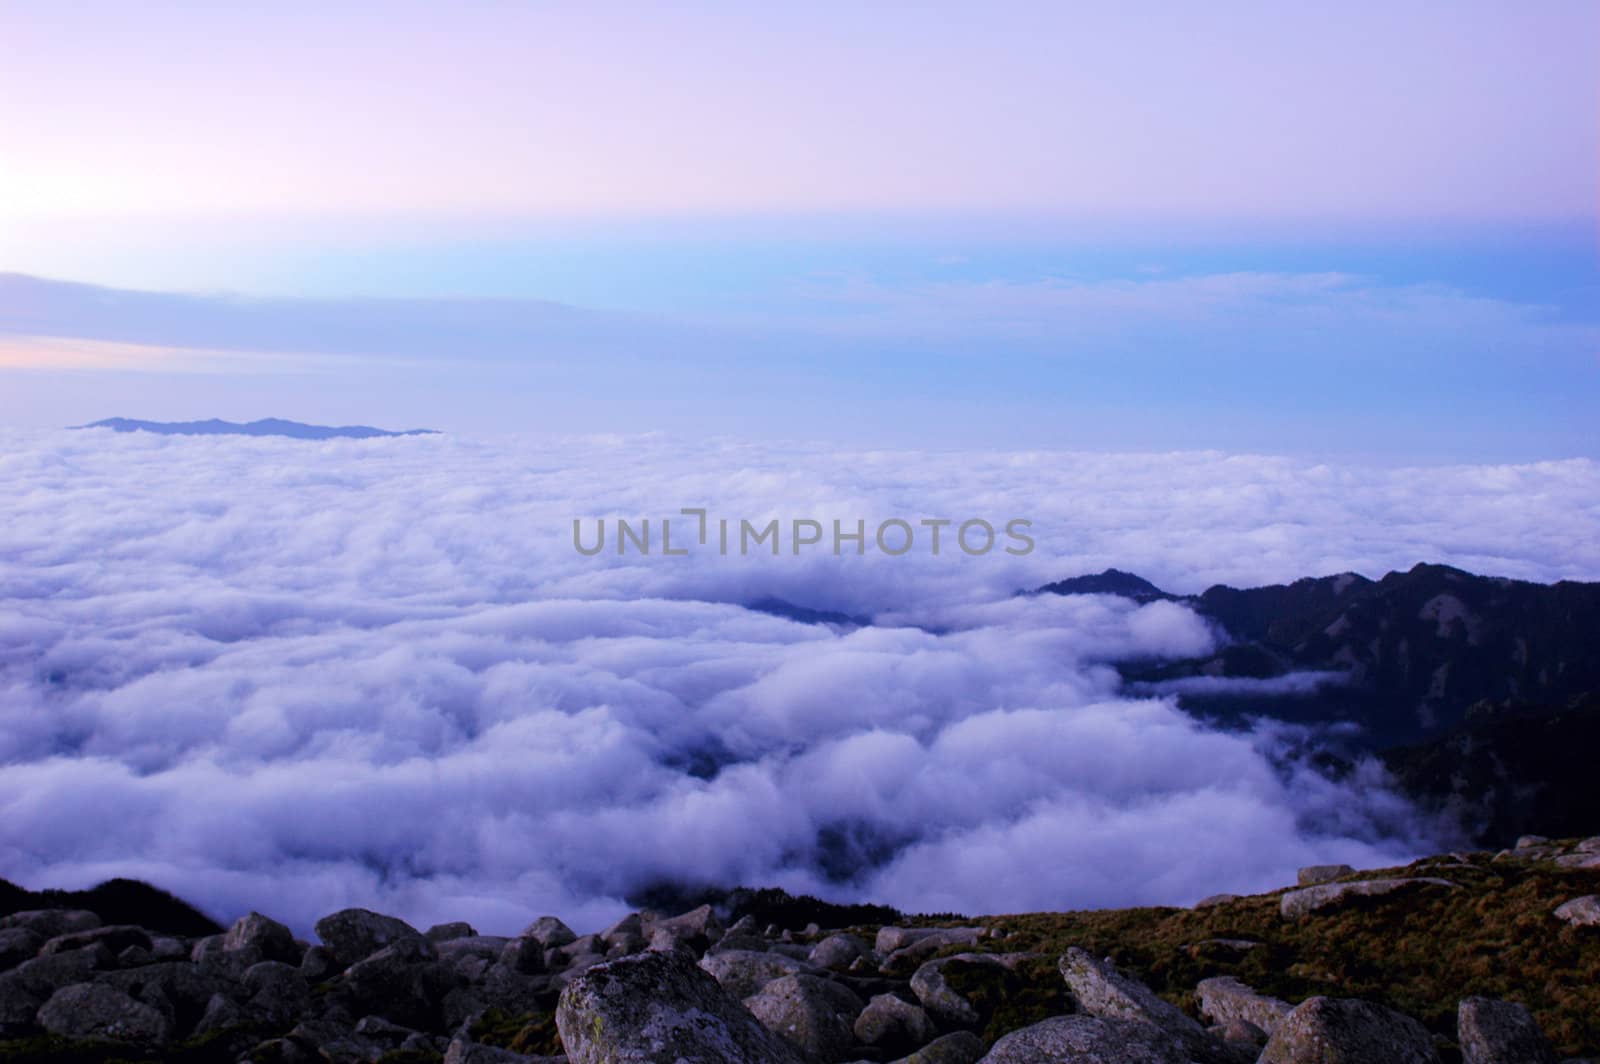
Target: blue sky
(1248,228)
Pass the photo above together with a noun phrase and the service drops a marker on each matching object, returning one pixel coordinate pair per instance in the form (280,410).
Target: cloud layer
(297,676)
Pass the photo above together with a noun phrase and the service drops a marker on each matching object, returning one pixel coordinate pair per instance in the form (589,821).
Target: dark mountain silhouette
(1483,693)
(1110,582)
(271,426)
(778,607)
(116,901)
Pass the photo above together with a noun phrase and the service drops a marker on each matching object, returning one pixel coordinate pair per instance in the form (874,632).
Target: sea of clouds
(292,676)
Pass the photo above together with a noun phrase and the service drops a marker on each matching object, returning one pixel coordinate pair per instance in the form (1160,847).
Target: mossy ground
(1419,952)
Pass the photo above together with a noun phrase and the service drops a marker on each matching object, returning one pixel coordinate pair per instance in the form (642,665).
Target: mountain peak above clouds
(270,426)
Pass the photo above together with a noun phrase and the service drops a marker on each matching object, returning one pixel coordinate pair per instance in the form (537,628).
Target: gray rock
(1307,900)
(445,932)
(168,948)
(837,951)
(1323,1030)
(661,1008)
(355,934)
(319,964)
(135,957)
(894,1025)
(925,946)
(1500,1032)
(957,1047)
(743,974)
(43,976)
(404,983)
(1215,899)
(179,991)
(892,938)
(207,949)
(1242,1033)
(549,932)
(1589,845)
(1311,875)
(18,1006)
(116,939)
(335,1042)
(263,939)
(18,944)
(1104,992)
(1224,999)
(48,923)
(220,1014)
(101,1013)
(523,955)
(1579,860)
(939,998)
(697,928)
(278,992)
(1085,1040)
(1580,912)
(1527,842)
(812,1014)
(462,1051)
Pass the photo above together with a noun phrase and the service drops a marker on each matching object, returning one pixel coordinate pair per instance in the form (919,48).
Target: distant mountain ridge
(270,426)
(1482,693)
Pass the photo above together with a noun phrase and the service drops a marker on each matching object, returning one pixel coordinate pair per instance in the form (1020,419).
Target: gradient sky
(1239,225)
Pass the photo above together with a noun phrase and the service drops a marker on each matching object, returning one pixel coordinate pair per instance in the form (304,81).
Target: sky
(1235,292)
(1361,231)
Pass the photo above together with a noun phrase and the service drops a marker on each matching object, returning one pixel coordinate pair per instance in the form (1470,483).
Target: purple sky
(1465,110)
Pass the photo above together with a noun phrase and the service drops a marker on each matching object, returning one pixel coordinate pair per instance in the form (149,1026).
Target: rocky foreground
(1472,957)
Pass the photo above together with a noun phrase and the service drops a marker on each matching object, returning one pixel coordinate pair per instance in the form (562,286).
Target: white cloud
(297,676)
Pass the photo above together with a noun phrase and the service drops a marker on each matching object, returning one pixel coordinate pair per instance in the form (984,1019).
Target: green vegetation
(1419,952)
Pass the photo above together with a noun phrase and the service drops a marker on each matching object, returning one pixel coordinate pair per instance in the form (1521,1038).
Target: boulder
(661,1008)
(837,951)
(101,1013)
(1298,903)
(278,992)
(1323,1030)
(221,1013)
(894,1025)
(1212,900)
(697,928)
(523,955)
(1085,1040)
(925,946)
(263,939)
(179,991)
(549,932)
(1104,992)
(1311,875)
(1580,912)
(957,1047)
(446,932)
(18,1006)
(1491,1031)
(943,1002)
(355,934)
(892,938)
(1224,999)
(812,1014)
(462,1051)
(743,973)
(43,976)
(116,939)
(404,983)
(49,923)
(18,944)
